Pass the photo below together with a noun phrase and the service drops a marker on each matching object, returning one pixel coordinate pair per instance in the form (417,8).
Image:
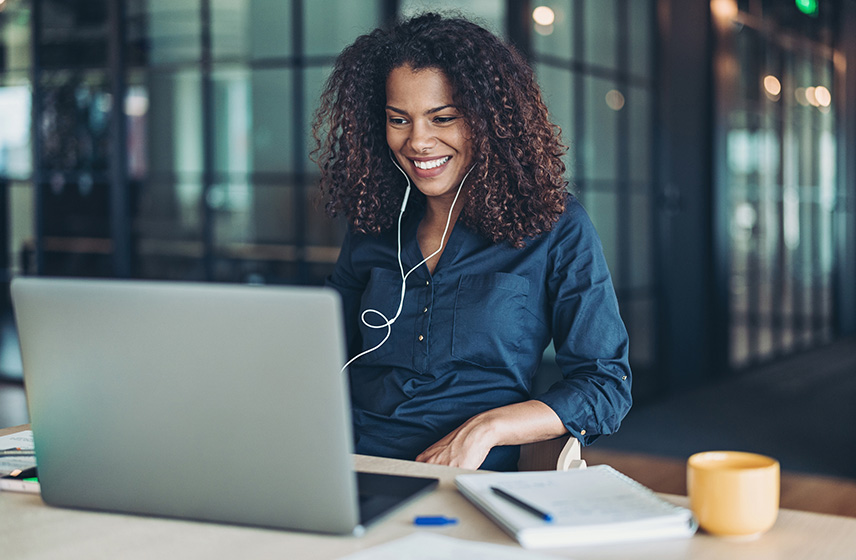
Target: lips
(430,167)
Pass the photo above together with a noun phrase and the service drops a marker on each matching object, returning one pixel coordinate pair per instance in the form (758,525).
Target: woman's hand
(468,445)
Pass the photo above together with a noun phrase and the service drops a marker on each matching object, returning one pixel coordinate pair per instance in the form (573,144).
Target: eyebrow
(428,112)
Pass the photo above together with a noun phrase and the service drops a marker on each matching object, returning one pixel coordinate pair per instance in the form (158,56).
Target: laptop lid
(202,401)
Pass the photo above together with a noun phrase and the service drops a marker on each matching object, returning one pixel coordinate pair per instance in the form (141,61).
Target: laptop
(209,402)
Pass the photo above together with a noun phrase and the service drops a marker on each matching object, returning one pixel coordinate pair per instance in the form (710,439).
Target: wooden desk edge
(446,475)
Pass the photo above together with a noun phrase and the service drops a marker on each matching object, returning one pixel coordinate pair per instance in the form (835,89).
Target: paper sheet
(430,546)
(600,501)
(24,440)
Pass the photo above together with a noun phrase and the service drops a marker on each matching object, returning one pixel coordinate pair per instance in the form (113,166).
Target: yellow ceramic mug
(732,493)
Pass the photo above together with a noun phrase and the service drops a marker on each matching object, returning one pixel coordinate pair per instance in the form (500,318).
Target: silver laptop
(211,402)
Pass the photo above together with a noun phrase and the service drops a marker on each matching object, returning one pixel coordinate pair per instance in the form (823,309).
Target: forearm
(518,423)
(468,445)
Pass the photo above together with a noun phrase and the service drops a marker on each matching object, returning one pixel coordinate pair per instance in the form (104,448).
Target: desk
(31,530)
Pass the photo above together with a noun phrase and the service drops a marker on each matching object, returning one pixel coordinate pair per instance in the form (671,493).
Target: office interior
(711,141)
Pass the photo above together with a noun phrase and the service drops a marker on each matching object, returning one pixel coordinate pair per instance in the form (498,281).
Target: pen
(520,503)
(17,452)
(434,520)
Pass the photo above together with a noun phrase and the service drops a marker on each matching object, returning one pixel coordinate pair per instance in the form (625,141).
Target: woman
(465,254)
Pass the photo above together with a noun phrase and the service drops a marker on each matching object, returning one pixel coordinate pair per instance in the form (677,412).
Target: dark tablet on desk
(380,494)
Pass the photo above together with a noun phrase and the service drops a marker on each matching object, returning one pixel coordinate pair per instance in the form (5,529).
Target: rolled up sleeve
(590,338)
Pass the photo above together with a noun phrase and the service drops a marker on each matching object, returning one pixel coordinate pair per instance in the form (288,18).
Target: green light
(808,7)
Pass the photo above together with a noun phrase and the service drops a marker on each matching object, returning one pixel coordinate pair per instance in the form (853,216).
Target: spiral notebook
(588,506)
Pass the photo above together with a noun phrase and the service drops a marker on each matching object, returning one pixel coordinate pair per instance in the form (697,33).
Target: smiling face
(425,130)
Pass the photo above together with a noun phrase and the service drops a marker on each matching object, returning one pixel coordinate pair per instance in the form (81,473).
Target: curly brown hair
(519,189)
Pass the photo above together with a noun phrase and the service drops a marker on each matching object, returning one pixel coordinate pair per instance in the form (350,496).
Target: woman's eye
(397,120)
(444,120)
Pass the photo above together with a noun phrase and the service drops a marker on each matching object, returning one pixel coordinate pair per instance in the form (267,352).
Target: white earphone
(387,324)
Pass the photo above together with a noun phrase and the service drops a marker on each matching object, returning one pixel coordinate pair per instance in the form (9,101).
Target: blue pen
(521,504)
(434,521)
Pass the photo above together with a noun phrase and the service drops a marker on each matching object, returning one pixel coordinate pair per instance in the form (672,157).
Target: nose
(422,137)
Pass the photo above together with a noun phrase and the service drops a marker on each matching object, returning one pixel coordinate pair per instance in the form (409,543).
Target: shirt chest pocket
(490,312)
(382,294)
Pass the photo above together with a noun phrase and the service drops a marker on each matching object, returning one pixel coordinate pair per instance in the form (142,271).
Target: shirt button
(425,310)
(427,282)
(624,378)
(582,432)
(421,338)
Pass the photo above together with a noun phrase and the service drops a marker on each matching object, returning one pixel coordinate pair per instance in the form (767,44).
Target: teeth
(431,164)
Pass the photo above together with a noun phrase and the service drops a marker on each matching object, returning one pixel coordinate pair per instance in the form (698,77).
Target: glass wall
(15,132)
(597,73)
(16,167)
(779,187)
(229,88)
(167,132)
(73,119)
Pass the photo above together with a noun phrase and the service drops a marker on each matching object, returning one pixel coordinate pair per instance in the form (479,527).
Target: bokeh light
(542,15)
(822,96)
(615,99)
(772,85)
(809,96)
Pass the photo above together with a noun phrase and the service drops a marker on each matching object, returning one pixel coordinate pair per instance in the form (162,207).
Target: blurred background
(712,142)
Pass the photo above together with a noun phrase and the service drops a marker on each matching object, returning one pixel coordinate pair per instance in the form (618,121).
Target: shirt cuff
(576,415)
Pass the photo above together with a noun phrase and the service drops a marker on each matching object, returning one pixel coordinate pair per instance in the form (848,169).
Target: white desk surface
(29,529)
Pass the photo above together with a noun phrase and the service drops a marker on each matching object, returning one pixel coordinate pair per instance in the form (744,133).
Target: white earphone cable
(388,322)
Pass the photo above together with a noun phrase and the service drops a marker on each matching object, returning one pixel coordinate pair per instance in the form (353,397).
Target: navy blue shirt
(471,336)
